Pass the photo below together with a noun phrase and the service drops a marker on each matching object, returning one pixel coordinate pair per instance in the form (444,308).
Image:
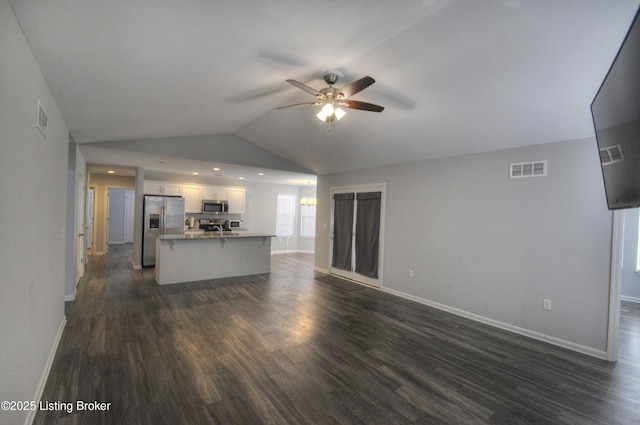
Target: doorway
(120,216)
(357,217)
(625,278)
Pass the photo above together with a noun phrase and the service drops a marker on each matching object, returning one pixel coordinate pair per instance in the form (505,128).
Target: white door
(129,207)
(80,227)
(343,255)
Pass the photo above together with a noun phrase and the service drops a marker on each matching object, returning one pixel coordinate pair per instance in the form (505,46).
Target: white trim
(320,270)
(630,299)
(71,297)
(505,326)
(45,373)
(615,285)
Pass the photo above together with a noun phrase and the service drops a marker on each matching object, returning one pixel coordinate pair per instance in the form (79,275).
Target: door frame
(615,284)
(352,275)
(92,211)
(80,249)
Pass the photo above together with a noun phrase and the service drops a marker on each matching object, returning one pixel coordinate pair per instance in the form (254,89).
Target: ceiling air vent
(528,169)
(611,155)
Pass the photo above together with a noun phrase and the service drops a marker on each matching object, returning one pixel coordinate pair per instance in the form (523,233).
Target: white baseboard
(292,251)
(45,373)
(600,354)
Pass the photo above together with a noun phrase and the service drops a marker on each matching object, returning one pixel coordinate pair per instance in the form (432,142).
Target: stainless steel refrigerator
(163,215)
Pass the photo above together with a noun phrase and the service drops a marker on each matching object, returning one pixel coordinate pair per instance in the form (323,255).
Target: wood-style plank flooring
(296,347)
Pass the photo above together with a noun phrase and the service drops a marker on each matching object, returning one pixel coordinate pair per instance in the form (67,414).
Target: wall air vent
(528,169)
(42,120)
(611,155)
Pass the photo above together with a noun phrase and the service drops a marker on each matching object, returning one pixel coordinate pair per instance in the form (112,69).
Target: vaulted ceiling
(455,76)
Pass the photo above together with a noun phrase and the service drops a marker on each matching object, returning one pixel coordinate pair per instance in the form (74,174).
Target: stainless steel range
(211,225)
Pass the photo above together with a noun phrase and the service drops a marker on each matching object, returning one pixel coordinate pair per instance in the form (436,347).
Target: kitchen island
(193,257)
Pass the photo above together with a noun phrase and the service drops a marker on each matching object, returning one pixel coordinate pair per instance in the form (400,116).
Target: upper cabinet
(162,188)
(215,193)
(194,194)
(192,198)
(236,200)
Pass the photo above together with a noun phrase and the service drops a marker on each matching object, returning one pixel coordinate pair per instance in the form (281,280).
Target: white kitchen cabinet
(215,193)
(162,188)
(236,200)
(192,198)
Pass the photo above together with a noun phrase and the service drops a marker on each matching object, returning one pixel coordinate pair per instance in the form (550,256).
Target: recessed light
(261,174)
(194,173)
(241,178)
(111,172)
(216,169)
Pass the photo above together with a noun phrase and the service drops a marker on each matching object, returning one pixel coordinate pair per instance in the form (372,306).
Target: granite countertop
(216,235)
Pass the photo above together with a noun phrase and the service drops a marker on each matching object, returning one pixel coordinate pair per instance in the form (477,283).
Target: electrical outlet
(410,273)
(546,304)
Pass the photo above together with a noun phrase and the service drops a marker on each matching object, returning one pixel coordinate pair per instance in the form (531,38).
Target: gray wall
(32,254)
(493,248)
(630,280)
(223,148)
(76,164)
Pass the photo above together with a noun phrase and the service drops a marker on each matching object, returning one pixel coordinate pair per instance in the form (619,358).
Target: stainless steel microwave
(215,207)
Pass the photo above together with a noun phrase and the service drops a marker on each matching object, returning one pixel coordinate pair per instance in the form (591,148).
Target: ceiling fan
(333,99)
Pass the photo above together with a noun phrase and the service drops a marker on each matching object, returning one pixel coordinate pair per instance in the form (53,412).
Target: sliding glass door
(356,249)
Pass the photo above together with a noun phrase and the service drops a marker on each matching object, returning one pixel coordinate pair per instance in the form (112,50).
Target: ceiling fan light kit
(333,99)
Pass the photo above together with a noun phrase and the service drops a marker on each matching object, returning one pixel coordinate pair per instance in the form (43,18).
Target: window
(286,215)
(308,221)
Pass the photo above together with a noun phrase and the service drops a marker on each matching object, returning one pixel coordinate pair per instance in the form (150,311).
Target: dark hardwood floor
(297,347)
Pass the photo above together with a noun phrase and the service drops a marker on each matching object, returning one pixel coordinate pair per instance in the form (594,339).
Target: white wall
(630,281)
(260,216)
(116,215)
(32,254)
(493,248)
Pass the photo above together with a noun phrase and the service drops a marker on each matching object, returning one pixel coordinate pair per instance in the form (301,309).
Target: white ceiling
(455,76)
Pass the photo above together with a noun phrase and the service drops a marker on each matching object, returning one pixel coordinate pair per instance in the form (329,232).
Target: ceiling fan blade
(356,104)
(357,86)
(304,87)
(299,105)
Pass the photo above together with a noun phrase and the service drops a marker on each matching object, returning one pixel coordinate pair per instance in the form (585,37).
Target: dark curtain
(342,228)
(368,233)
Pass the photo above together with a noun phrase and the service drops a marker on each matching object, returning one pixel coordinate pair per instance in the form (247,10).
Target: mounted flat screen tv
(616,118)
